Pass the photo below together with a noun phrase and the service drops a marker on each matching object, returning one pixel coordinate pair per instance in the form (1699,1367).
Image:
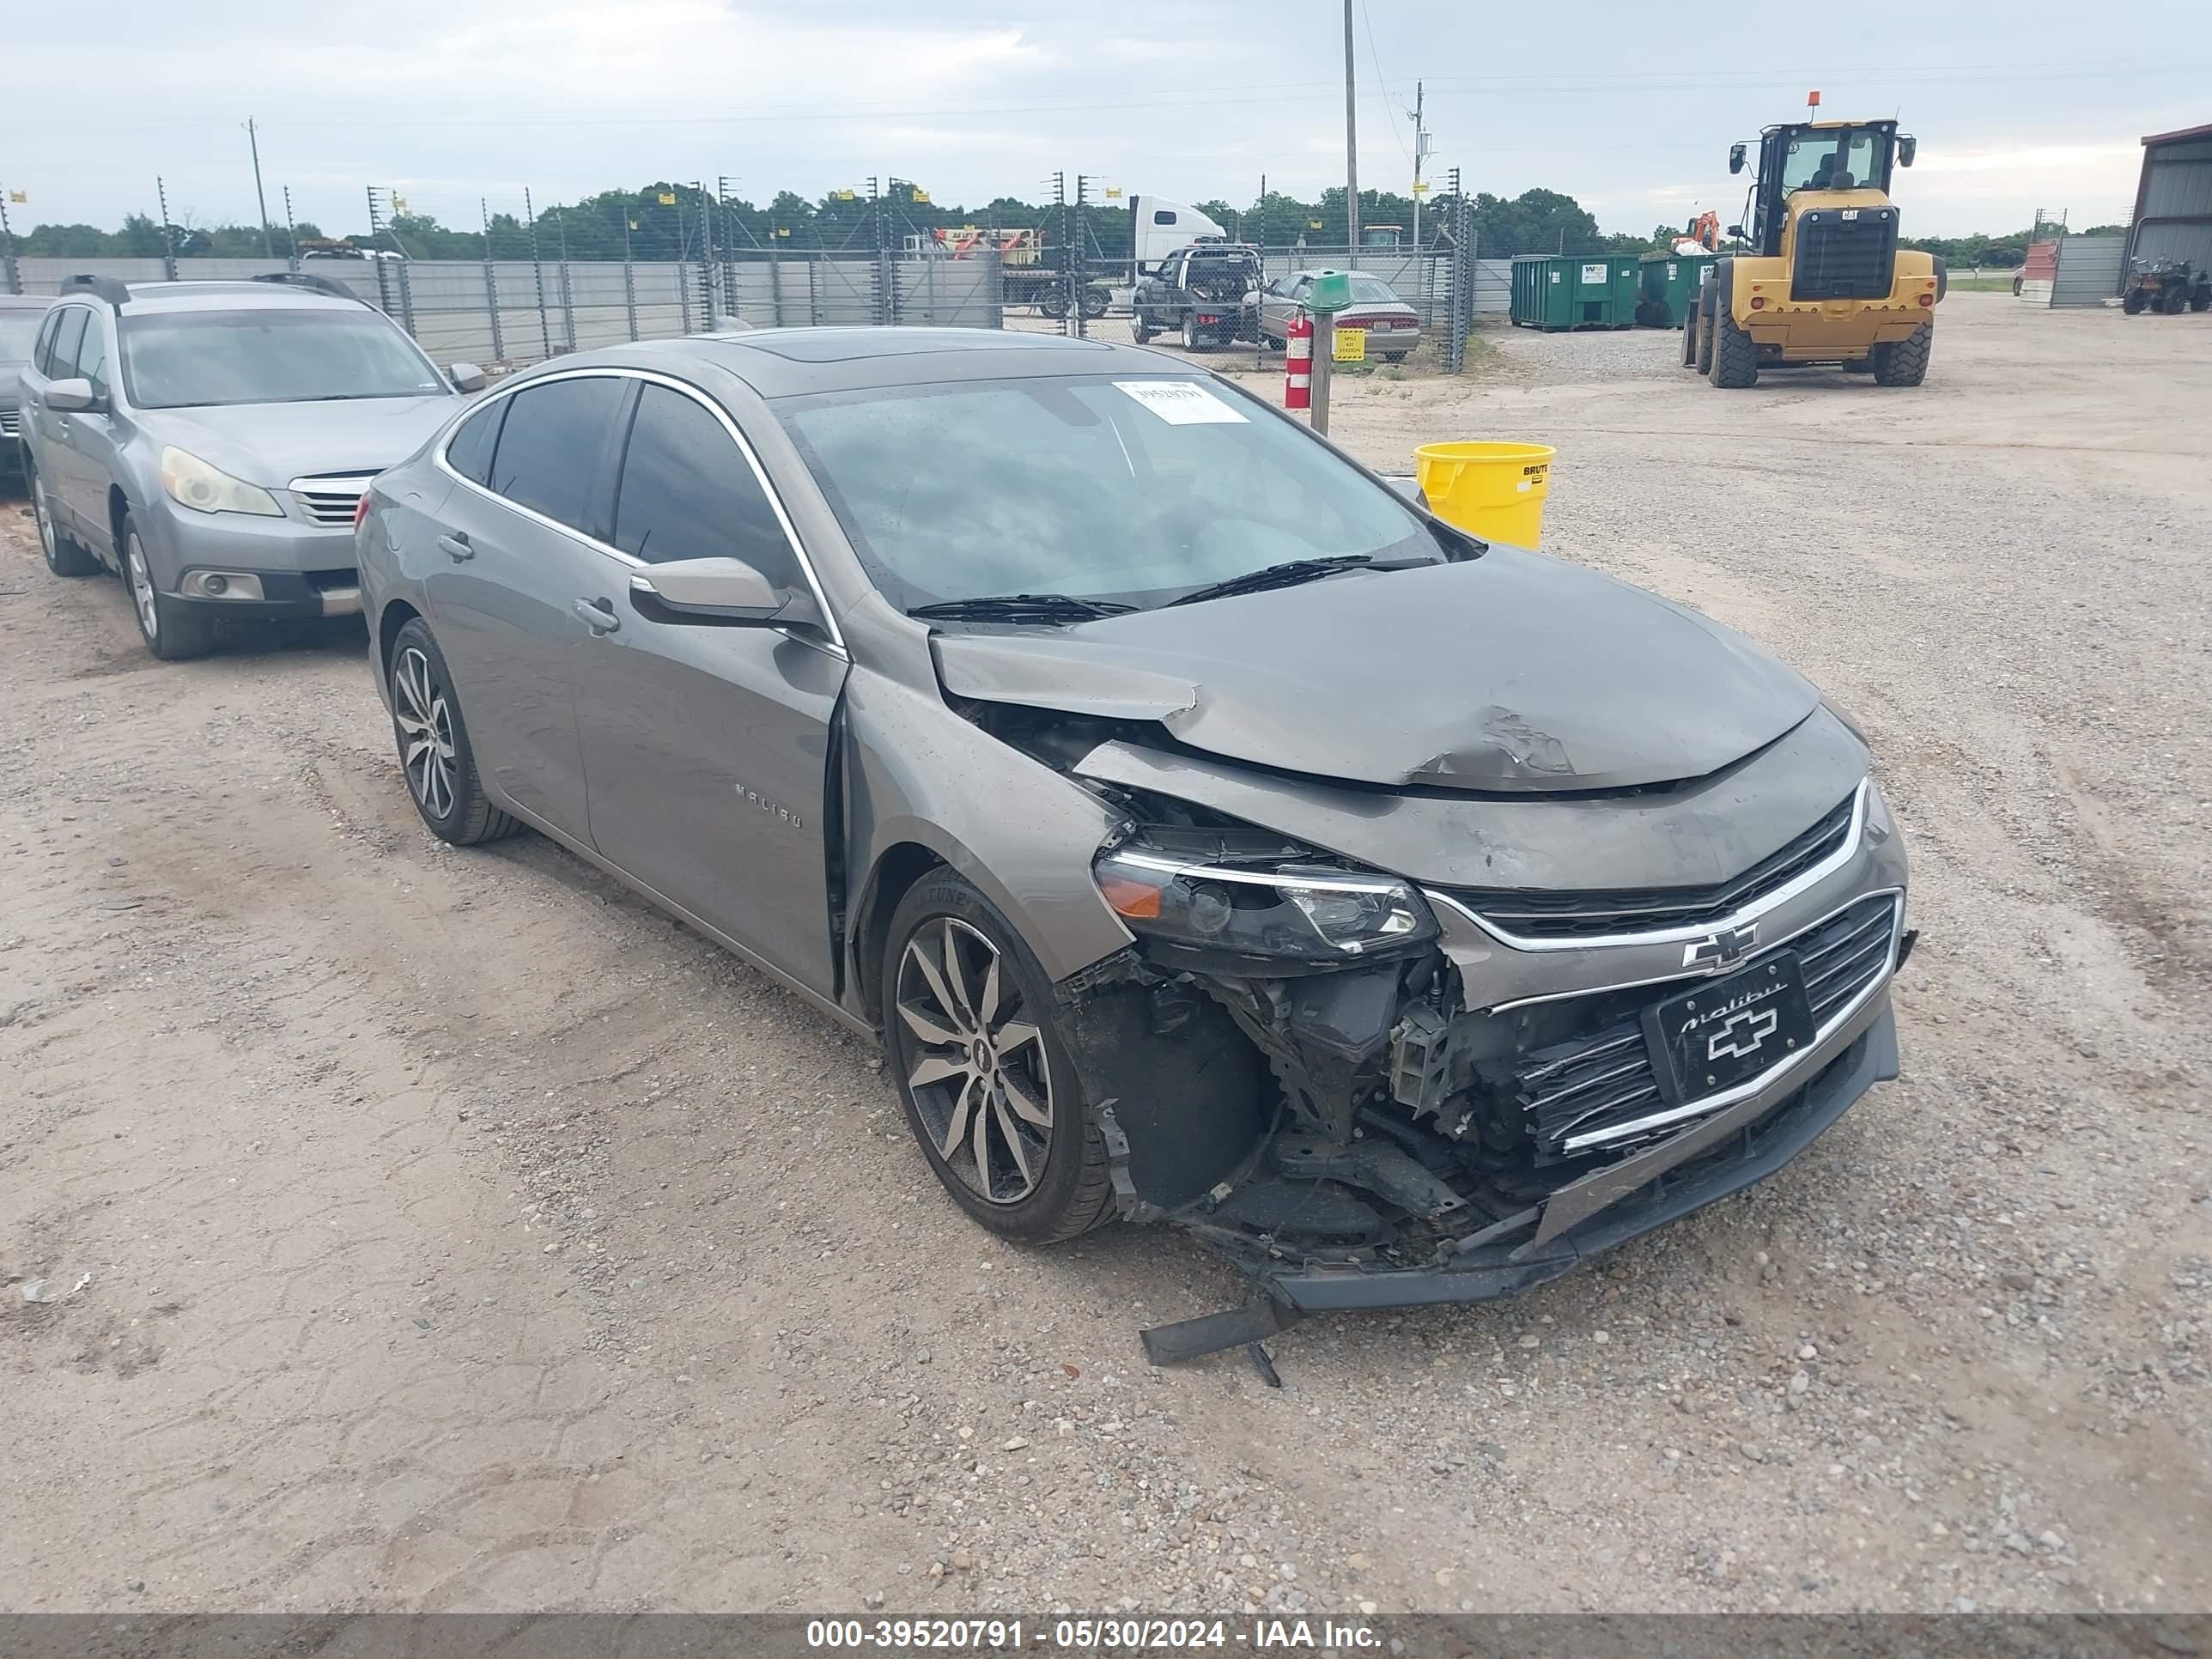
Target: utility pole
(253,142)
(1351,145)
(11,278)
(1420,155)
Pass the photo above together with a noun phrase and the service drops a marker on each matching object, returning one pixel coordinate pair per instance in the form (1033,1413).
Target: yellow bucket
(1495,490)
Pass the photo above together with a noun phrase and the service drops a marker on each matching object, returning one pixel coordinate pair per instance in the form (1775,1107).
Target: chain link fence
(693,267)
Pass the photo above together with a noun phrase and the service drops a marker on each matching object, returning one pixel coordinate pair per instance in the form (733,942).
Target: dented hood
(1511,673)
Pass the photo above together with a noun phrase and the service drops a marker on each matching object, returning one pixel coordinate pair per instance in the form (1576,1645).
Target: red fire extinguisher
(1297,362)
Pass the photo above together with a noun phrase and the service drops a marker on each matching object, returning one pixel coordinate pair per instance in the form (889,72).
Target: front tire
(990,1090)
(172,631)
(2174,301)
(64,556)
(434,753)
(2132,301)
(1734,354)
(1905,362)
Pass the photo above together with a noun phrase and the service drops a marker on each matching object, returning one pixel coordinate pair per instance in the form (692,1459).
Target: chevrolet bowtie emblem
(1721,950)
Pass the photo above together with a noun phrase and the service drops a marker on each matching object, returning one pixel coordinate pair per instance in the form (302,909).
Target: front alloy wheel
(981,1080)
(990,1089)
(172,630)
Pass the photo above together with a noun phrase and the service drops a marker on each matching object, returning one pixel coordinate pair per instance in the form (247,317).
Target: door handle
(598,615)
(456,547)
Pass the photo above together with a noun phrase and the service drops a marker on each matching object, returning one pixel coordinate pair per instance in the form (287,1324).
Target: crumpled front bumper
(1663,1182)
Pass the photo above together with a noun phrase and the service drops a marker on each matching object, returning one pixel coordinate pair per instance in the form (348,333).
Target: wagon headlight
(191,482)
(1300,912)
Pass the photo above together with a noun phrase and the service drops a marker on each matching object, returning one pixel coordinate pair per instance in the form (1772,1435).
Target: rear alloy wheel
(1192,339)
(64,556)
(172,631)
(990,1091)
(433,744)
(1905,362)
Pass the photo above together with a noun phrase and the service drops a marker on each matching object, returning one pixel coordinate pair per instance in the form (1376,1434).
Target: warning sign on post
(1351,345)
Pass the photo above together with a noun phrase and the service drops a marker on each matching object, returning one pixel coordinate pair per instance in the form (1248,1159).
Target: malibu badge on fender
(1728,1029)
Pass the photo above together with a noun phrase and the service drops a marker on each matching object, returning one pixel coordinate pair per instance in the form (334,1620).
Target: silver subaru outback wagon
(1209,833)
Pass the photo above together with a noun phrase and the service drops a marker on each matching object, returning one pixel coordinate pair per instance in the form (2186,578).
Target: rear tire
(2201,300)
(1735,353)
(1095,301)
(442,778)
(172,631)
(1193,339)
(1905,362)
(64,556)
(2172,301)
(2132,301)
(1037,1183)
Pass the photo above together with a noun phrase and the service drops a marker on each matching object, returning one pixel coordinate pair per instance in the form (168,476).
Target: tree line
(675,220)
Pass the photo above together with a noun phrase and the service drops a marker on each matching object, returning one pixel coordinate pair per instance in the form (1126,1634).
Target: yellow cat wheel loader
(1818,277)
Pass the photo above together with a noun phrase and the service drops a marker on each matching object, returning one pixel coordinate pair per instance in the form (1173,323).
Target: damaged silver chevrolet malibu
(1210,835)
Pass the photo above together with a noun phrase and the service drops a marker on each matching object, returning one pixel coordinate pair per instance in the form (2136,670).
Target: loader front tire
(1735,353)
(1905,362)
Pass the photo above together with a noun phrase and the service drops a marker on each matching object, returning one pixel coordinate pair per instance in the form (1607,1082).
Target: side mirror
(1907,147)
(1736,231)
(1410,487)
(726,592)
(68,397)
(1735,158)
(467,377)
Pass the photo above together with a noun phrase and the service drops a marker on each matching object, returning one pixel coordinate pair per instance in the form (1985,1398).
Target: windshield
(1372,291)
(1134,490)
(1840,158)
(195,359)
(17,330)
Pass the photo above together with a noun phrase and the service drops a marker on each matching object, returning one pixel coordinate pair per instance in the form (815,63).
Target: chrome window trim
(617,372)
(1743,1090)
(1803,882)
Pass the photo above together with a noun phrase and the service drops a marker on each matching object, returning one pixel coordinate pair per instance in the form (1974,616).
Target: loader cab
(1821,157)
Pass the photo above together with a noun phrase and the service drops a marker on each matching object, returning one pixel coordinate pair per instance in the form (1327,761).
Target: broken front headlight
(1285,909)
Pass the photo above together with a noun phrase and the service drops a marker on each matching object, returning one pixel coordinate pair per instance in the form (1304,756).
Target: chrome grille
(1597,914)
(331,501)
(12,424)
(1601,1079)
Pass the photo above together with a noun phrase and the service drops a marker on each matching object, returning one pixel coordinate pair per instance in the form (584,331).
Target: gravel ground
(385,1226)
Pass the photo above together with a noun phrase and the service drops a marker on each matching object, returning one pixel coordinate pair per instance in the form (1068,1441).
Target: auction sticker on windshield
(1181,402)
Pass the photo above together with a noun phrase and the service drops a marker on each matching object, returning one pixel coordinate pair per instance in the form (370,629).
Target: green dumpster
(1669,285)
(1555,291)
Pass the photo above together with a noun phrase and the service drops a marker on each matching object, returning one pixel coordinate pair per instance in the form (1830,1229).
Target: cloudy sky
(1627,106)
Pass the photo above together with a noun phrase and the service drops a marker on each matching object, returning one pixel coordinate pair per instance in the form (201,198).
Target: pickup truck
(1207,292)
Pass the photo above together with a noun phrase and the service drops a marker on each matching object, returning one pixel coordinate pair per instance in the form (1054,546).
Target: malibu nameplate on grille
(1714,1037)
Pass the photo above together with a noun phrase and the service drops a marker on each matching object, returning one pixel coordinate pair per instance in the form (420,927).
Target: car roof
(789,362)
(216,295)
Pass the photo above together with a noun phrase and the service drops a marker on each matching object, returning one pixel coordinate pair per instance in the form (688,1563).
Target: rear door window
(468,451)
(552,452)
(689,492)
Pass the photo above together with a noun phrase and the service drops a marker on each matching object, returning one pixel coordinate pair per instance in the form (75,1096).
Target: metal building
(2173,202)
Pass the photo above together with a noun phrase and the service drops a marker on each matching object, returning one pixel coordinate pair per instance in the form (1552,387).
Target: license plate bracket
(1709,1039)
